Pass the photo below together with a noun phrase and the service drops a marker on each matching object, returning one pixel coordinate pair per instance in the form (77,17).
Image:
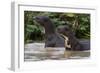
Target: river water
(37,52)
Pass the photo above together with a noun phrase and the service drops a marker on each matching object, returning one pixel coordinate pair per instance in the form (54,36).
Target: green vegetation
(79,23)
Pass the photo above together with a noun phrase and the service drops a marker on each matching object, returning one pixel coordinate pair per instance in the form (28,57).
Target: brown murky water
(37,52)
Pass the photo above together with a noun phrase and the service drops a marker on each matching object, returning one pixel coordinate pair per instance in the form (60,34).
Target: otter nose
(36,18)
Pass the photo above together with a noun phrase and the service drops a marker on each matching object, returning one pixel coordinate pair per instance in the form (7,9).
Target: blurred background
(33,32)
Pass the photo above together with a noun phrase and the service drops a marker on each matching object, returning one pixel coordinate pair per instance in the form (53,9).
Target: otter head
(42,20)
(64,29)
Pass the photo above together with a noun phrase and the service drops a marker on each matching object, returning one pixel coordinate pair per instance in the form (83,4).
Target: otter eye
(66,29)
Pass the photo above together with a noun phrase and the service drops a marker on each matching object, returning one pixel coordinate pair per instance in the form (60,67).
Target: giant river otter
(76,44)
(53,39)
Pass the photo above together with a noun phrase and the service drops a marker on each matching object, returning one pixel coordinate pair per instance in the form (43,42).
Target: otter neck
(71,36)
(49,28)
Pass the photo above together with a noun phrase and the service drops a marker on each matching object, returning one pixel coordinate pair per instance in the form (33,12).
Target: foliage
(79,23)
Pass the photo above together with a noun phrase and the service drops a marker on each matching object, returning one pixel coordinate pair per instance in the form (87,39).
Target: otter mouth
(59,31)
(37,19)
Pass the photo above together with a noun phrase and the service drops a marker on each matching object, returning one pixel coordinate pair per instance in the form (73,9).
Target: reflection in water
(36,52)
